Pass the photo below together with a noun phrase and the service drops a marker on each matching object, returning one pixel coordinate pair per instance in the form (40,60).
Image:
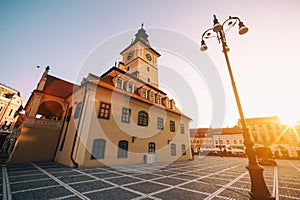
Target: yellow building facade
(10,102)
(118,118)
(283,139)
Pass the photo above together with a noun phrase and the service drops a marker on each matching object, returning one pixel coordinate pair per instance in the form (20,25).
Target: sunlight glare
(289,120)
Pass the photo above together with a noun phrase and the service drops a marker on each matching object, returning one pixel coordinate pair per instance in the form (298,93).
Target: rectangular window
(160,123)
(104,111)
(130,88)
(98,149)
(182,128)
(151,96)
(120,83)
(78,110)
(123,149)
(173,150)
(172,126)
(158,99)
(183,150)
(126,112)
(10,112)
(144,94)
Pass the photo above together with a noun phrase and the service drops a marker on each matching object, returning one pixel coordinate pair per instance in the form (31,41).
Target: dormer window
(144,93)
(172,104)
(158,99)
(120,83)
(151,96)
(167,103)
(130,87)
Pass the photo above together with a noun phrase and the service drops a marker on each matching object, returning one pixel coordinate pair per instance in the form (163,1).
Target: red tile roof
(58,87)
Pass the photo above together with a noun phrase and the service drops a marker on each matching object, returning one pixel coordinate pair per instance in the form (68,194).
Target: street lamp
(259,189)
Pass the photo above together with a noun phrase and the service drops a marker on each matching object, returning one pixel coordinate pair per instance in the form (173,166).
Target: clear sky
(62,34)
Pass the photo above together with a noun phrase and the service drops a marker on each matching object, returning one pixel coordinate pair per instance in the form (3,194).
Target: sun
(289,120)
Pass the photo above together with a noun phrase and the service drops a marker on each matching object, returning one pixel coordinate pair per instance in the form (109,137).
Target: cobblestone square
(203,178)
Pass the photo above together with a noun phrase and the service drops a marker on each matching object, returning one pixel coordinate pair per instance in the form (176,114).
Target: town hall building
(118,118)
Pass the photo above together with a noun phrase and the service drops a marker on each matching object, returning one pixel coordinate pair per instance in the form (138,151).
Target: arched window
(123,149)
(151,148)
(183,150)
(173,149)
(50,110)
(98,149)
(143,118)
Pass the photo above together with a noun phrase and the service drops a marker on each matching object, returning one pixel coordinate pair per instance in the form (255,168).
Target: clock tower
(140,60)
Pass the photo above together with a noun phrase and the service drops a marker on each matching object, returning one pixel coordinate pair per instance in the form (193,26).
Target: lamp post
(259,189)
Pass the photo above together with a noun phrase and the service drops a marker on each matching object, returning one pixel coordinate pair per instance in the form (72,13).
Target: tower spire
(141,35)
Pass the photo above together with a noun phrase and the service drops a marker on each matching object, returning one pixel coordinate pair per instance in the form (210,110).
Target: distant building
(118,118)
(220,138)
(10,105)
(263,130)
(269,131)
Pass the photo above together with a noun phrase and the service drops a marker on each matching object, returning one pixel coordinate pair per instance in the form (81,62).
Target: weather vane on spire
(142,26)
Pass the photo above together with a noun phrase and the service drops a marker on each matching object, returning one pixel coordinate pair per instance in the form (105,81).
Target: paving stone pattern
(203,178)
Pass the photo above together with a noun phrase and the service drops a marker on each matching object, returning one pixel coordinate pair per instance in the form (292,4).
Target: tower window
(148,80)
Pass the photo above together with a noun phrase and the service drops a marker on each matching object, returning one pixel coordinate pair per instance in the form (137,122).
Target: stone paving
(204,178)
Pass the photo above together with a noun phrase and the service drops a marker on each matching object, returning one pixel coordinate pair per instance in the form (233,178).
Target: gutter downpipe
(78,125)
(62,128)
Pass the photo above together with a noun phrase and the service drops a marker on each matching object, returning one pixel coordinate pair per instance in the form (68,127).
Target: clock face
(148,57)
(129,56)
